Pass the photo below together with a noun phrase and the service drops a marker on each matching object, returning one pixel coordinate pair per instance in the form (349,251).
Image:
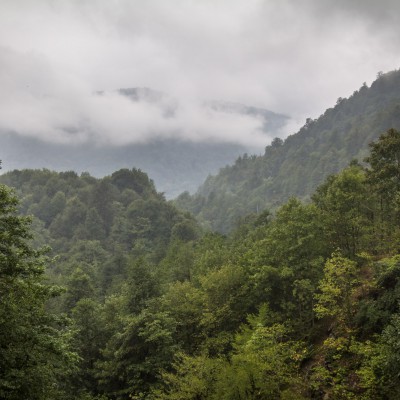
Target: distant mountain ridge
(296,166)
(175,165)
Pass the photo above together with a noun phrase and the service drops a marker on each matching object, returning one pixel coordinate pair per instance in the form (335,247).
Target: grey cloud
(291,57)
(38,102)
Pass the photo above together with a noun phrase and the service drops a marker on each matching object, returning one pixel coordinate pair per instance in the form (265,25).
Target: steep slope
(296,166)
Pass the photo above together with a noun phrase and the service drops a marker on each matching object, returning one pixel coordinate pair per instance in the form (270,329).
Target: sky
(289,56)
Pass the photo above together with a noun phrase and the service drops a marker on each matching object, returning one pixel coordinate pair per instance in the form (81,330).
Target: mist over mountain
(271,122)
(173,165)
(177,161)
(297,165)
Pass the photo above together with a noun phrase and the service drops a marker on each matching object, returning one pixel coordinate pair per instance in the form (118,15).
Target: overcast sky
(294,57)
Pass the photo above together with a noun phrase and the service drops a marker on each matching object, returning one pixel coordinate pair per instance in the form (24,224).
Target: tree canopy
(302,303)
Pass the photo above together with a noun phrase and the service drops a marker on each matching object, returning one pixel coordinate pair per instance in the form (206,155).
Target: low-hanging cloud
(291,57)
(115,119)
(60,109)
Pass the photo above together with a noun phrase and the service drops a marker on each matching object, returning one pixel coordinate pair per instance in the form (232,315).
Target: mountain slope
(298,165)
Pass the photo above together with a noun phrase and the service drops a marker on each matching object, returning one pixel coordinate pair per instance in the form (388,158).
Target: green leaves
(135,357)
(346,210)
(34,350)
(385,162)
(263,365)
(336,289)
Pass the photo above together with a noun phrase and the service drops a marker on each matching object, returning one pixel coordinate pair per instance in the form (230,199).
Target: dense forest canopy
(303,304)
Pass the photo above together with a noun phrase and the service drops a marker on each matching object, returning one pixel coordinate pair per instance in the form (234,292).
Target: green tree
(66,224)
(346,210)
(387,361)
(79,286)
(177,265)
(34,352)
(194,378)
(135,357)
(384,160)
(336,289)
(227,299)
(285,260)
(89,338)
(141,286)
(94,225)
(185,303)
(384,179)
(264,365)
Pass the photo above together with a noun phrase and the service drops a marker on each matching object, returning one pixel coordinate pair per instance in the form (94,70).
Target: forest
(109,292)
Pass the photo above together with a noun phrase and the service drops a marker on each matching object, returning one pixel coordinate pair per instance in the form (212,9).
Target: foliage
(336,286)
(299,304)
(264,365)
(346,209)
(35,350)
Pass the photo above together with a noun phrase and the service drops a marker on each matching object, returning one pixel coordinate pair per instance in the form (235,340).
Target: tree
(90,337)
(388,361)
(79,287)
(286,263)
(384,178)
(94,225)
(178,263)
(135,357)
(344,205)
(384,160)
(185,303)
(336,290)
(141,285)
(264,365)
(194,378)
(33,350)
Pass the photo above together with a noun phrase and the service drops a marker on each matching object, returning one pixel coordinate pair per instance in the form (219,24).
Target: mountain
(174,164)
(296,166)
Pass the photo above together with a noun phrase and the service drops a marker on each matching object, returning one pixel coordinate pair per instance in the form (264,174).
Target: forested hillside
(303,304)
(296,166)
(119,211)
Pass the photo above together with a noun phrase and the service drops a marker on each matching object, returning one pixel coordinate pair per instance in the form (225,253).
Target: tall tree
(33,350)
(384,178)
(384,160)
(346,210)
